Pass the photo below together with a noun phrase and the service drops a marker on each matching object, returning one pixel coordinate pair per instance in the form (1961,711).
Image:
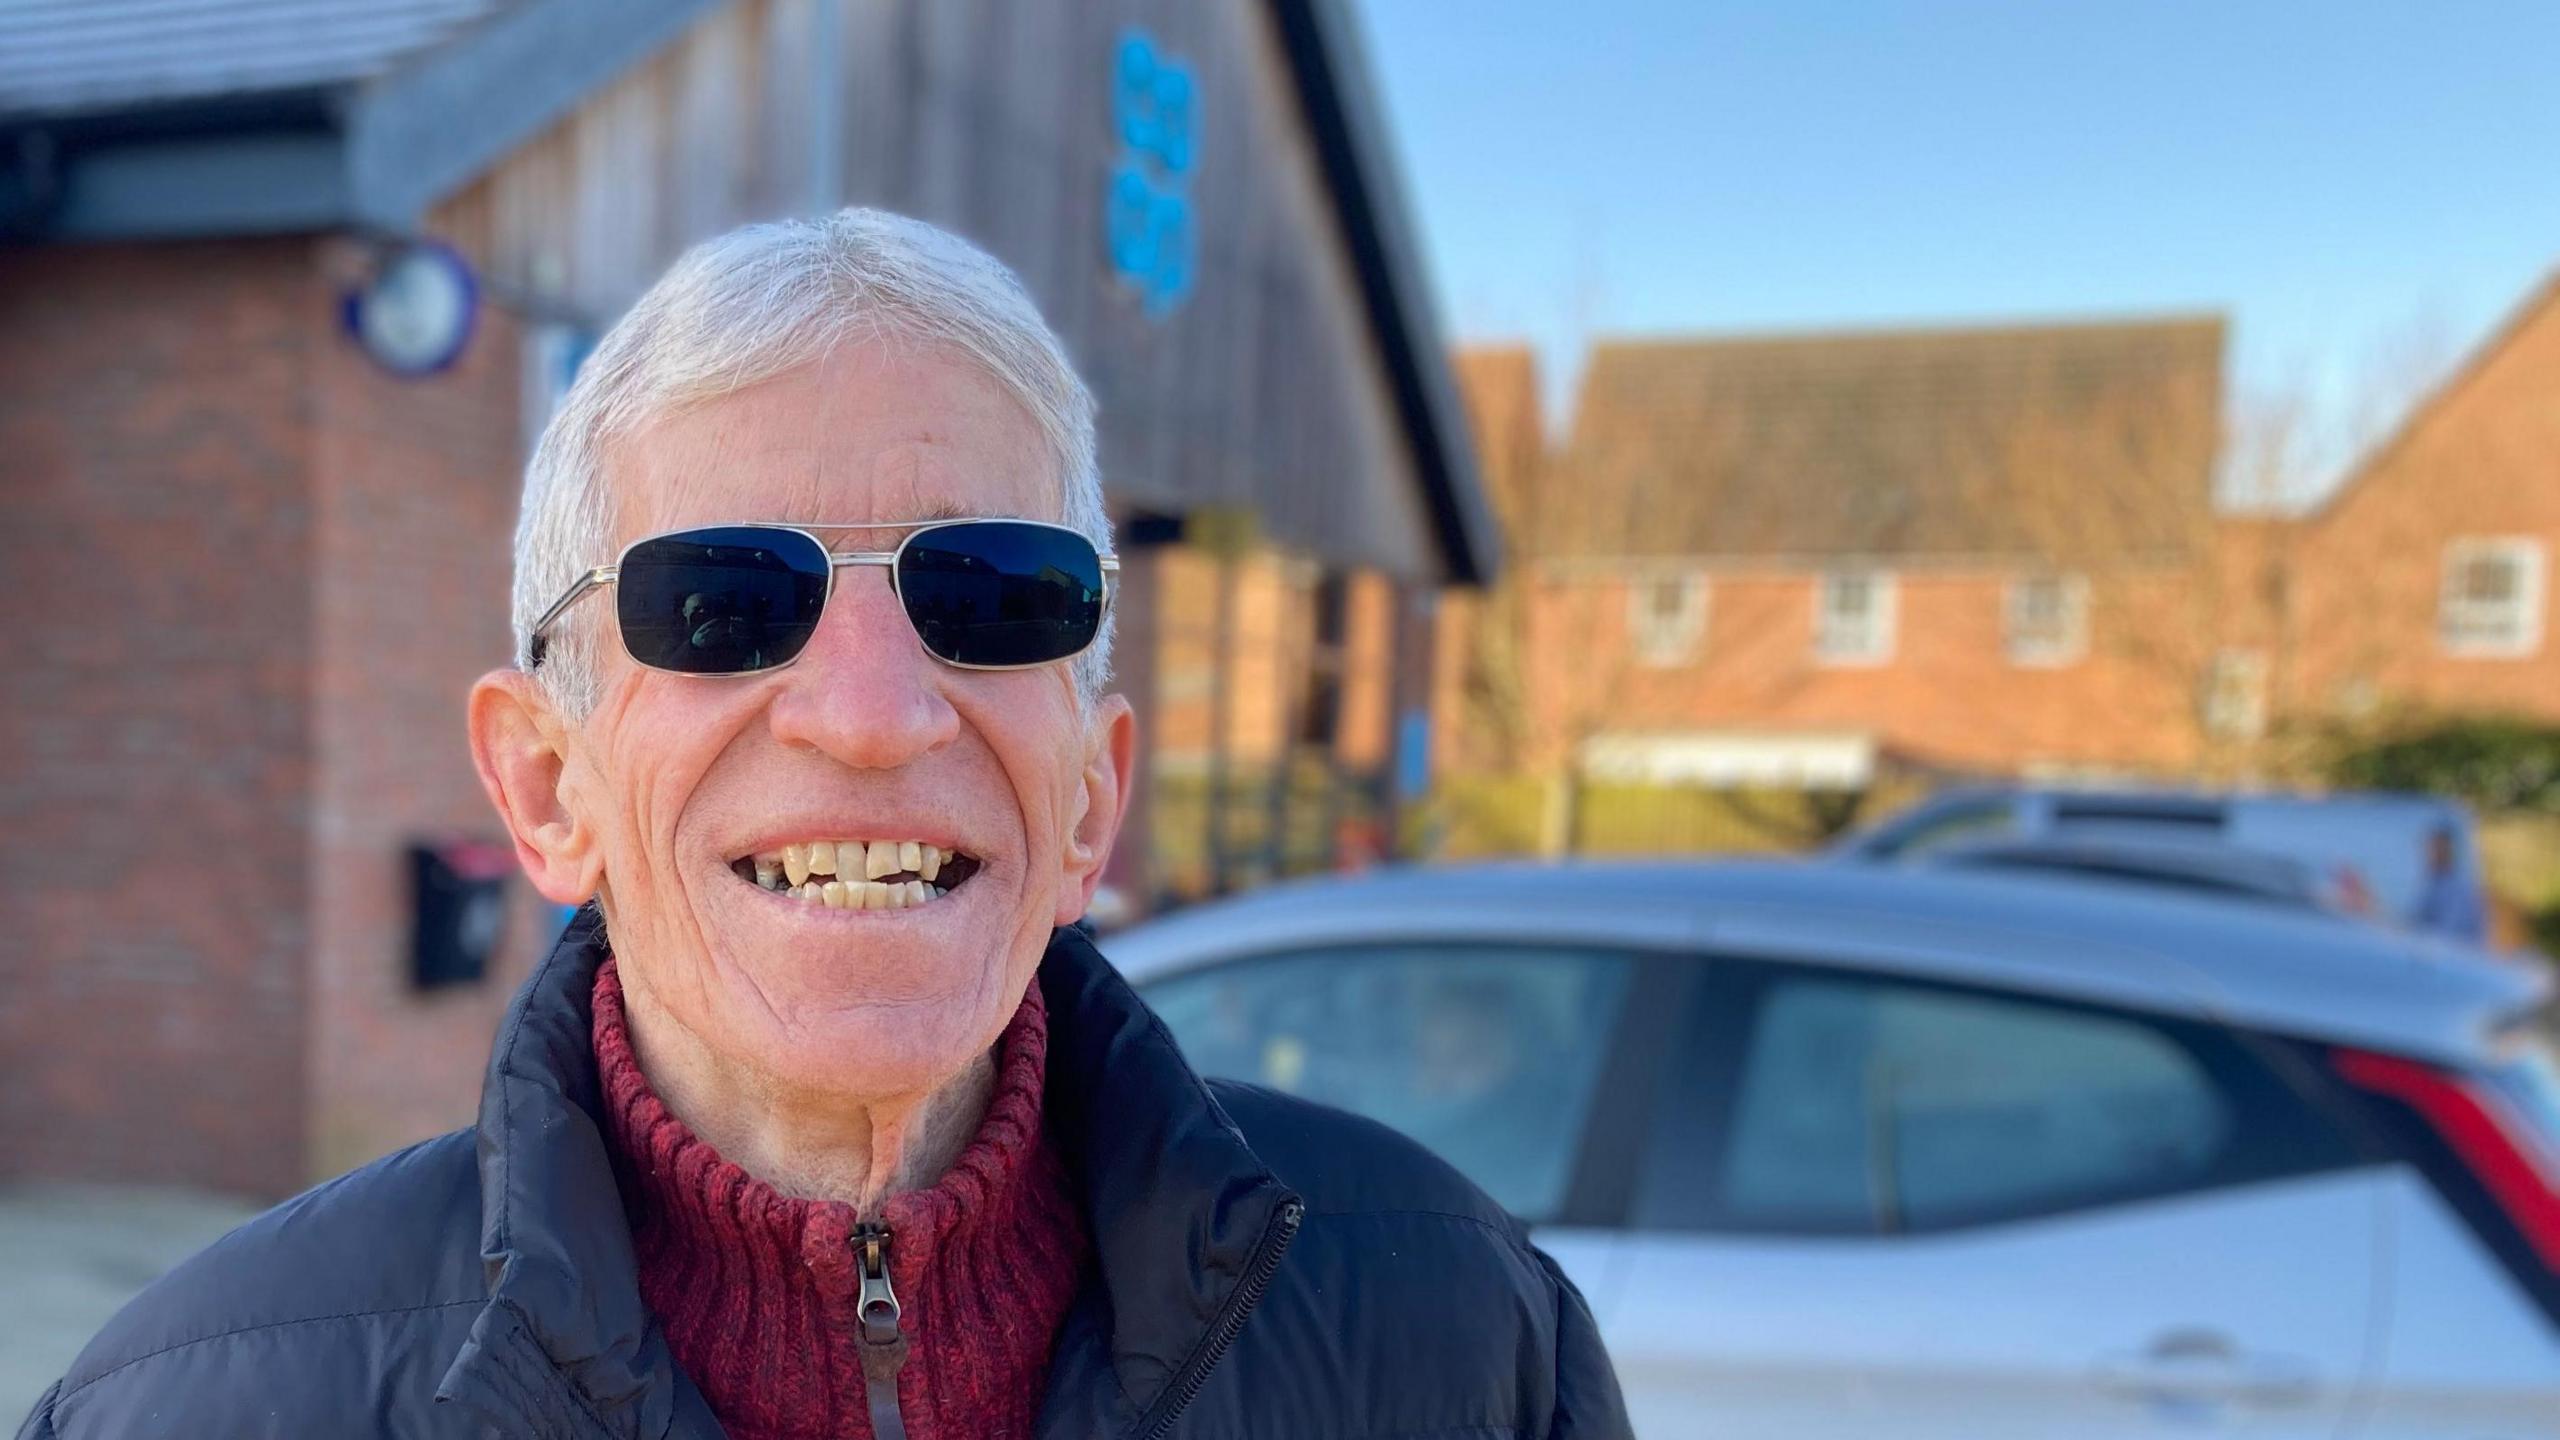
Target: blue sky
(2364,189)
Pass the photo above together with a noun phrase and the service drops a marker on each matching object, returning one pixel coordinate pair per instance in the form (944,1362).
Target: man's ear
(1102,801)
(518,743)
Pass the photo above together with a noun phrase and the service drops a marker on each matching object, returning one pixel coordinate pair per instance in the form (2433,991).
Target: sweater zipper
(1194,1373)
(884,1344)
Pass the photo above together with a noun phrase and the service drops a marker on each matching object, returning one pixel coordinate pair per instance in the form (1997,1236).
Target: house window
(1667,614)
(2490,603)
(2048,619)
(1853,618)
(2235,695)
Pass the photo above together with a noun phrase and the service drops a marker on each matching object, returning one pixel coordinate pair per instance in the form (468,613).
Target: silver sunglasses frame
(603,575)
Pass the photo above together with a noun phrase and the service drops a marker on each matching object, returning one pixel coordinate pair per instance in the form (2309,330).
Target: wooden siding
(1264,390)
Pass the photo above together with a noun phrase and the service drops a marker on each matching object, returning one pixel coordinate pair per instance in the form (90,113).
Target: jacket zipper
(884,1344)
(1257,1278)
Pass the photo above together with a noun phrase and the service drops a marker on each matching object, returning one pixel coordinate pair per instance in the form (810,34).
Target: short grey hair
(754,304)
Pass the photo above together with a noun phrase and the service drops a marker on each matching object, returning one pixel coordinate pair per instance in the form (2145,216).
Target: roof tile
(1891,444)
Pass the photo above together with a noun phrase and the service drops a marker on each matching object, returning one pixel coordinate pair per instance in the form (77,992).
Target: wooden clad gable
(1264,388)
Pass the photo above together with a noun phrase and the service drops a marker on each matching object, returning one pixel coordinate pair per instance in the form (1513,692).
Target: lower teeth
(860,895)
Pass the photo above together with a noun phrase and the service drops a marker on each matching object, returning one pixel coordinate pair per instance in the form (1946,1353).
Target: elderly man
(822,1119)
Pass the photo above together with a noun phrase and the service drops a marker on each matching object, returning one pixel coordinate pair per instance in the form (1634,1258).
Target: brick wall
(155,535)
(416,485)
(1949,693)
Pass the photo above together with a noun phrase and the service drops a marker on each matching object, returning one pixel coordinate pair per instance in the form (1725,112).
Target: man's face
(680,782)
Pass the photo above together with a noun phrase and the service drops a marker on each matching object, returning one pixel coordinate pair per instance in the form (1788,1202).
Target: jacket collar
(1174,1198)
(1177,1202)
(564,1331)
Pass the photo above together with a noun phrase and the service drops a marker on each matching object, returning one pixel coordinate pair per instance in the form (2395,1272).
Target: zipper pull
(884,1343)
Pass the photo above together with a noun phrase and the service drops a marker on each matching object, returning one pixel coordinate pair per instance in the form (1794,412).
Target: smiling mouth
(858,874)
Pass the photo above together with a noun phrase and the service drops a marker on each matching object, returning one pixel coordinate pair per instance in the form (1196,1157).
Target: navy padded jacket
(1264,1268)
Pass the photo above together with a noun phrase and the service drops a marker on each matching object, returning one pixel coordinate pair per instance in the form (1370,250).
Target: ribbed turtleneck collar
(756,1289)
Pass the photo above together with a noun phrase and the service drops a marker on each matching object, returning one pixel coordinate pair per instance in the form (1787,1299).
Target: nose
(864,691)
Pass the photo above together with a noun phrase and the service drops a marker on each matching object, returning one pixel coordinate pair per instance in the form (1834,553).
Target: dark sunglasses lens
(1002,592)
(720,601)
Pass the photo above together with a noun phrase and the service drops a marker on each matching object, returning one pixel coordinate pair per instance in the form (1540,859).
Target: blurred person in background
(2449,903)
(824,1118)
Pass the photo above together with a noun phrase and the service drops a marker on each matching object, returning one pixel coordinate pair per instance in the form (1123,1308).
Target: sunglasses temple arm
(601,575)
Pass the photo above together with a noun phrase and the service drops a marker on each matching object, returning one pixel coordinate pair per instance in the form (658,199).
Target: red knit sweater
(756,1289)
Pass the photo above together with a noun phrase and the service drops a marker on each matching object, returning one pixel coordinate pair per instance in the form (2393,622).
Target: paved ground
(72,1254)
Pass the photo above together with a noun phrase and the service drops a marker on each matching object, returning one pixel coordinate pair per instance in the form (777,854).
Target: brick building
(257,571)
(2424,580)
(1784,560)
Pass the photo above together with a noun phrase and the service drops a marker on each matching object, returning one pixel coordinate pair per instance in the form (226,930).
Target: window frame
(2525,553)
(1883,617)
(1738,987)
(2073,645)
(1665,647)
(2247,721)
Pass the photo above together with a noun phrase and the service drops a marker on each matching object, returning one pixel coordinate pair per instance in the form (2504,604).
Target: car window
(1857,1105)
(1487,1055)
(1956,825)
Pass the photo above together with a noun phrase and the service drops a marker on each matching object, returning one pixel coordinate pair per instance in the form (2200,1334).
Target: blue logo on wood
(1147,207)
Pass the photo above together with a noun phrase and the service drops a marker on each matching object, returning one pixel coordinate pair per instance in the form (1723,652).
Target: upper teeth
(789,870)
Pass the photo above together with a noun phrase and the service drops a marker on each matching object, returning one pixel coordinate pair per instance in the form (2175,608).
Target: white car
(1839,1150)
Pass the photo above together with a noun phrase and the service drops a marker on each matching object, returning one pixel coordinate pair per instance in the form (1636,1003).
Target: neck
(811,1144)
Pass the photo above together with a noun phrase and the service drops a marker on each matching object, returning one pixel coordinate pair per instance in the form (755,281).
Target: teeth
(802,870)
(833,895)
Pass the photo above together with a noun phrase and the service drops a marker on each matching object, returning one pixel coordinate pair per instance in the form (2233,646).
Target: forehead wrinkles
(776,455)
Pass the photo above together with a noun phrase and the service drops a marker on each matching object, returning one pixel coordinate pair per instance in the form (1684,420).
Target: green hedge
(2498,765)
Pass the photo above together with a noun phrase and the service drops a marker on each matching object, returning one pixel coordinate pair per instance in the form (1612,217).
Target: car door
(1877,1206)
(1490,1053)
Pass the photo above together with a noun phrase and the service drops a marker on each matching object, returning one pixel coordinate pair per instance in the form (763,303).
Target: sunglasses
(982,594)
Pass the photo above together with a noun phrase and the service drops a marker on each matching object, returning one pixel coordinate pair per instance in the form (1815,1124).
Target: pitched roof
(1499,385)
(62,57)
(1941,442)
(1337,93)
(152,119)
(2544,299)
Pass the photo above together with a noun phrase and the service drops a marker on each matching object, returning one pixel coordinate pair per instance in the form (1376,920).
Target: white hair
(753,304)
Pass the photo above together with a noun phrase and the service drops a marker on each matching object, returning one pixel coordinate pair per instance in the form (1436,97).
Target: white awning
(1831,760)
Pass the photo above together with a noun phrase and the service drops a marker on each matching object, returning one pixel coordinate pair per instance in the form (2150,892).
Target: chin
(883,1012)
(883,1051)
